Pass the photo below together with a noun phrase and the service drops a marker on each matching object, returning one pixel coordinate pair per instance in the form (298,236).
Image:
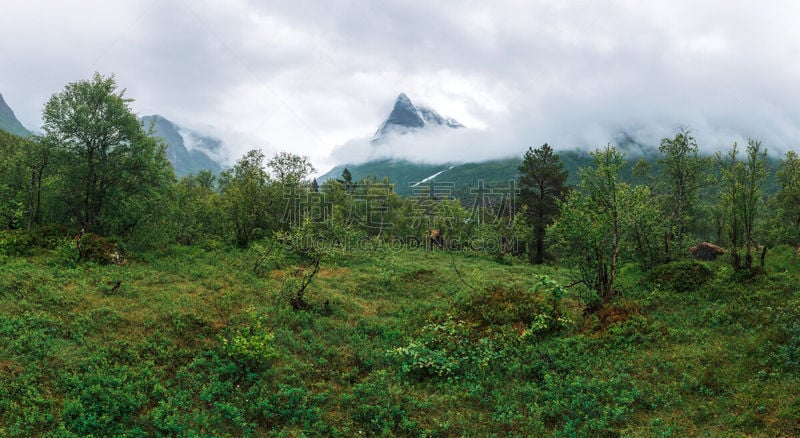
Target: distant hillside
(461,178)
(402,173)
(185,158)
(9,122)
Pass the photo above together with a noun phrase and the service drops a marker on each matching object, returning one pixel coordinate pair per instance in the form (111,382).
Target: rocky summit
(406,117)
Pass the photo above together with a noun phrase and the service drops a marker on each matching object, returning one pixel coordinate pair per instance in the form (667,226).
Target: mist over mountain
(415,145)
(188,151)
(419,134)
(9,122)
(410,132)
(407,117)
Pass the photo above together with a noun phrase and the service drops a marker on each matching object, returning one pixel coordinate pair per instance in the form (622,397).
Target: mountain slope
(401,173)
(185,158)
(461,178)
(9,122)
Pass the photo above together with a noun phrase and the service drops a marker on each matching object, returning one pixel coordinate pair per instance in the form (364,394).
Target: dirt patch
(333,273)
(367,308)
(419,275)
(615,313)
(10,368)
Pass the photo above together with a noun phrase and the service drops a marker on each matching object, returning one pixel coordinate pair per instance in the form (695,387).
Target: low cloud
(307,76)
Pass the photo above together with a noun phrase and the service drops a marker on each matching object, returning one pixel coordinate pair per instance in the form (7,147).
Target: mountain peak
(406,117)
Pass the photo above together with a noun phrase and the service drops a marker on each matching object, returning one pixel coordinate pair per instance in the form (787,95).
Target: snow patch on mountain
(424,180)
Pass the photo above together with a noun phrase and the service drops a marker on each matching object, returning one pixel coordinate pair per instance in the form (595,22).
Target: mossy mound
(682,276)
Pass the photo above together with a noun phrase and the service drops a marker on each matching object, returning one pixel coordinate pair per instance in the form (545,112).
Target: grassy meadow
(199,341)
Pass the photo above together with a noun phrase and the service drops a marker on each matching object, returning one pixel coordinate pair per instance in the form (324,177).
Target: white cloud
(307,76)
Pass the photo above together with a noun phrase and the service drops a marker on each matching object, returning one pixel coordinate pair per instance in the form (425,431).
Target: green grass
(193,342)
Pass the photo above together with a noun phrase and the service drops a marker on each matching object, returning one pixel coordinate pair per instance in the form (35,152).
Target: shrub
(682,276)
(286,406)
(500,304)
(67,254)
(95,248)
(382,409)
(446,350)
(788,348)
(250,343)
(20,280)
(107,399)
(14,242)
(588,406)
(49,236)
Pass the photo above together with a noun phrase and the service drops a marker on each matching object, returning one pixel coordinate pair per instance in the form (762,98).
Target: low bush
(446,350)
(249,343)
(15,242)
(380,408)
(500,304)
(49,236)
(788,348)
(681,276)
(95,248)
(577,405)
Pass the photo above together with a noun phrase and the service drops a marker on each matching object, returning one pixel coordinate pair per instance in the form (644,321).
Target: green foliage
(446,350)
(582,406)
(14,179)
(66,254)
(536,310)
(15,242)
(682,276)
(49,236)
(741,200)
(194,344)
(681,177)
(542,182)
(112,177)
(95,248)
(788,340)
(290,169)
(783,225)
(500,304)
(383,408)
(307,246)
(198,215)
(591,223)
(250,343)
(100,394)
(246,196)
(20,280)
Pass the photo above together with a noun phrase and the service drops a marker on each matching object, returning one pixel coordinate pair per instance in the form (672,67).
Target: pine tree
(542,182)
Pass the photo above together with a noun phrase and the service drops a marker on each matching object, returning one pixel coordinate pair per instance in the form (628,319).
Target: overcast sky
(311,76)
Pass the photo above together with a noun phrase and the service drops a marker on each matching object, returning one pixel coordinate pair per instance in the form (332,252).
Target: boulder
(706,251)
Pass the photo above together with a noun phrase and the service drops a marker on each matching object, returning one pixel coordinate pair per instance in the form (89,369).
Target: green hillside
(9,122)
(402,173)
(462,177)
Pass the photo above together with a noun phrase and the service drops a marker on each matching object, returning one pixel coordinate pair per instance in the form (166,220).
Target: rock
(706,251)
